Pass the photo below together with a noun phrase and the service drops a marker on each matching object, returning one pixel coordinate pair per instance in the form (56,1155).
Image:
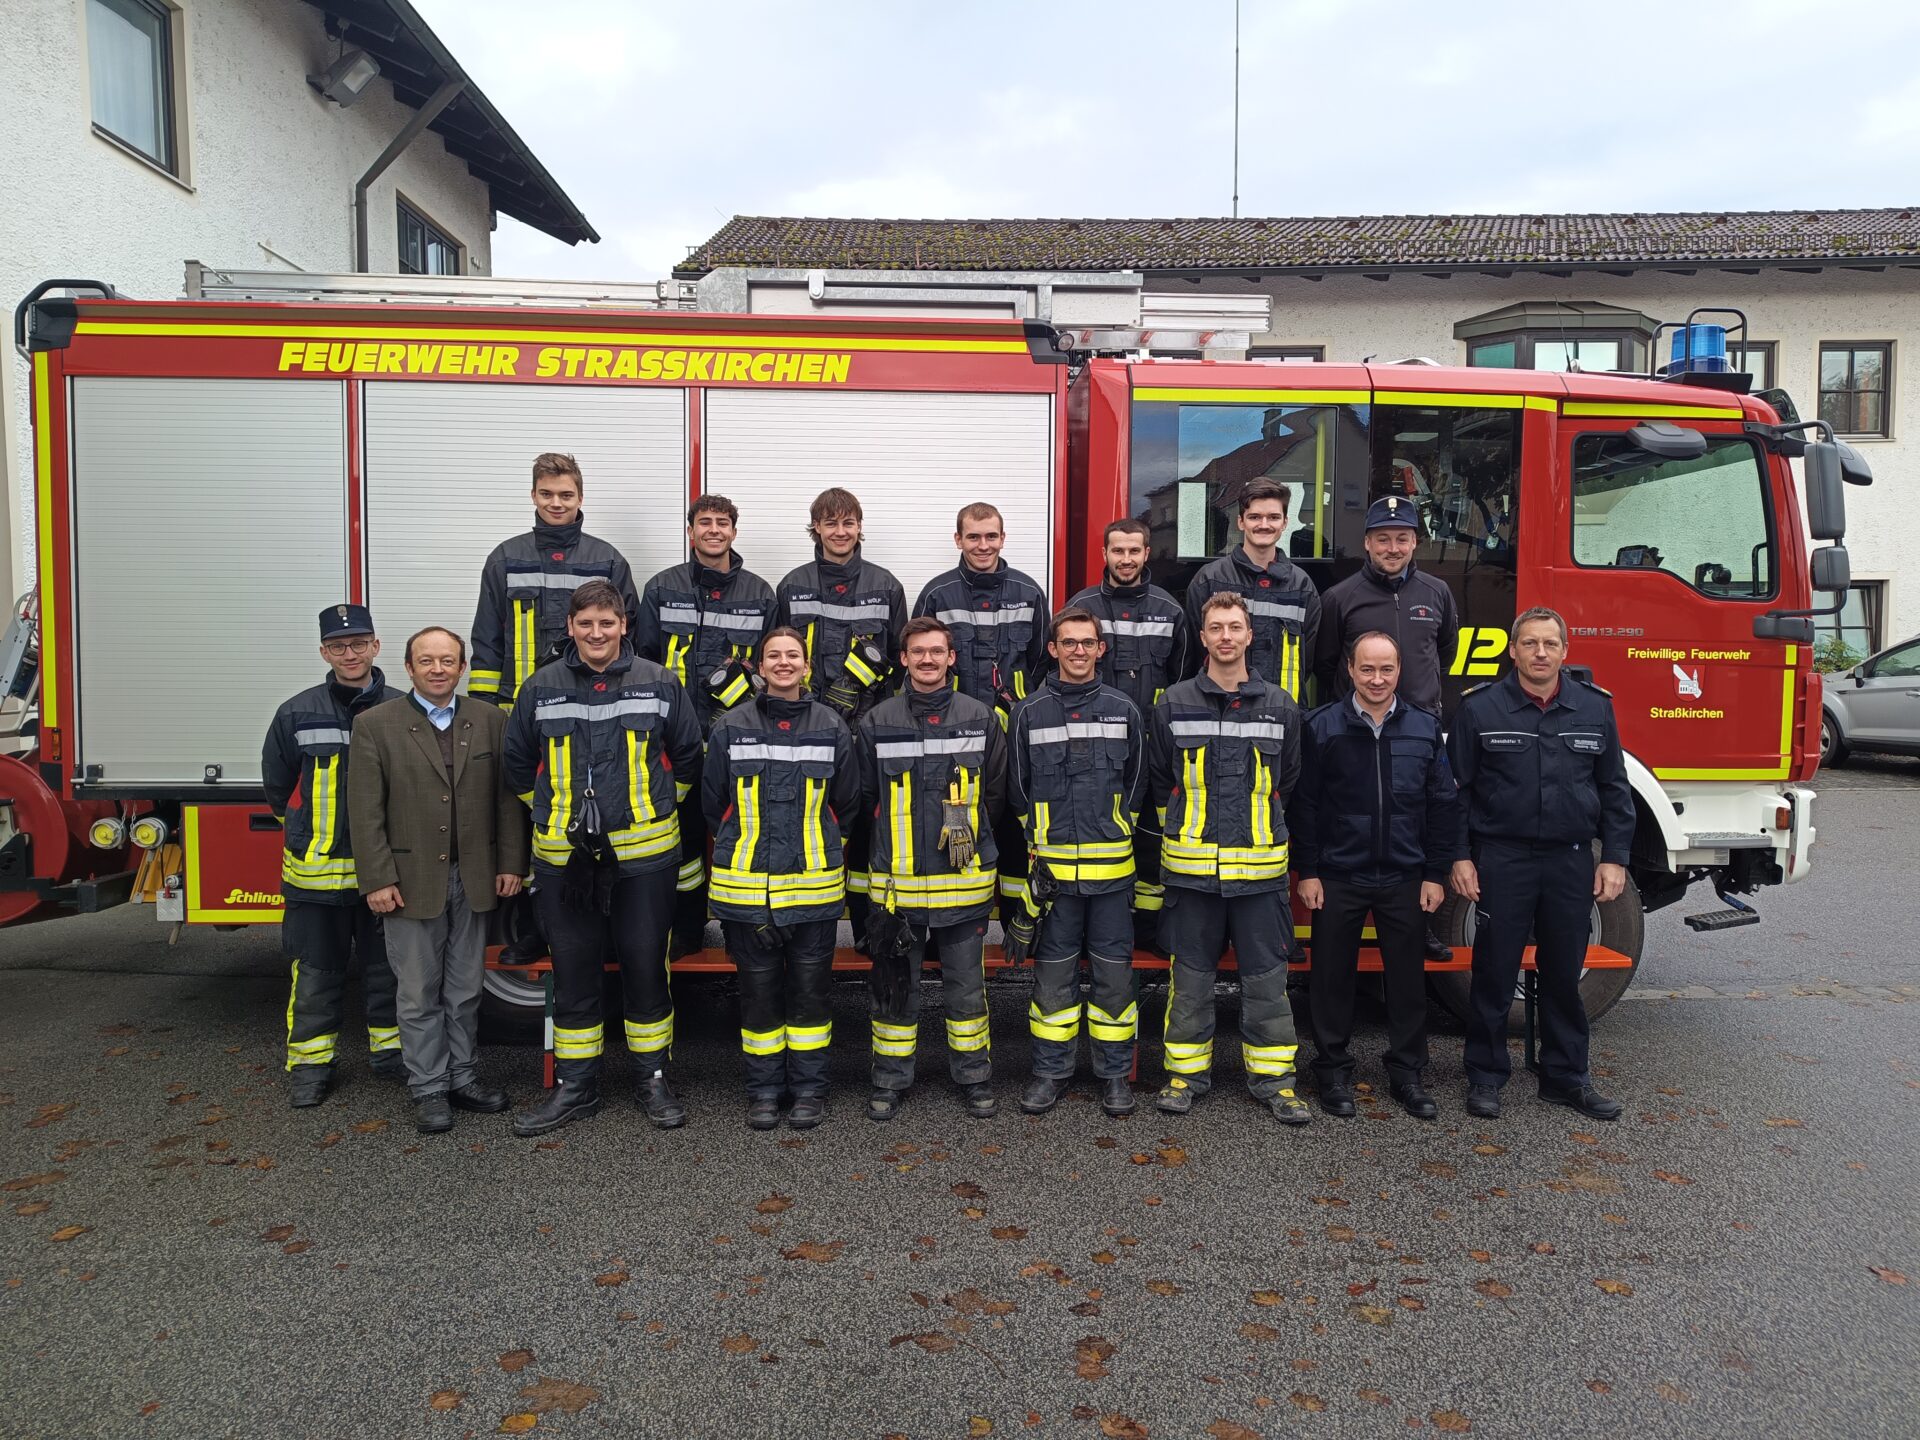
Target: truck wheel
(513,1008)
(1619,924)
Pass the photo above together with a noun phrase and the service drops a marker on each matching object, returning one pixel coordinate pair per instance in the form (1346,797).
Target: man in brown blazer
(438,839)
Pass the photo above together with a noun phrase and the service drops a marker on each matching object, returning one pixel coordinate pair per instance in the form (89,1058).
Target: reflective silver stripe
(1137,627)
(541,580)
(717,619)
(585,710)
(957,745)
(794,754)
(1079,730)
(320,737)
(1011,615)
(1277,610)
(1228,729)
(877,614)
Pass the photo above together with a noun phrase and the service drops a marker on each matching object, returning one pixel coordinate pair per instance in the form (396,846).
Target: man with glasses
(324,924)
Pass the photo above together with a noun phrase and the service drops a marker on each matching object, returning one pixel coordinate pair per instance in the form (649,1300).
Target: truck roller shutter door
(449,471)
(210,529)
(913,459)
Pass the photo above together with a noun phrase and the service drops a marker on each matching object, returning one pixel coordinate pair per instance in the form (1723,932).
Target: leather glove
(956,830)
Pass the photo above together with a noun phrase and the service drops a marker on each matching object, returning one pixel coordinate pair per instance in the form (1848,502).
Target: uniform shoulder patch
(1592,685)
(1476,689)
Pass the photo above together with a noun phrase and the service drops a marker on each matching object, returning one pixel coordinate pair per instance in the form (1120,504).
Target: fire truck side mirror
(1832,571)
(1826,501)
(1853,467)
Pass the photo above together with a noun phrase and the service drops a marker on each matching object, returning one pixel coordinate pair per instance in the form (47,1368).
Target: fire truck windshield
(1707,521)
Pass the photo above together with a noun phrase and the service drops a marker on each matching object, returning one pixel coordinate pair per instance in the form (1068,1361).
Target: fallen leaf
(1008,1232)
(1254,1330)
(1312,1404)
(1105,1142)
(818,1252)
(296,1247)
(1090,1356)
(1439,1169)
(1162,1287)
(1340,1233)
(69,1232)
(1172,1156)
(1487,1147)
(1372,1314)
(1104,1257)
(278,1233)
(446,1399)
(1541,1247)
(742,1344)
(1667,1390)
(548,1393)
(514,1361)
(1785,1122)
(1086,1309)
(1494,1289)
(47,1114)
(1122,1427)
(1045,1268)
(612,1277)
(1599,1387)
(967,1190)
(1267,1298)
(1892,1277)
(1613,1219)
(1373,1397)
(517,1424)
(935,1343)
(1410,1302)
(369,1127)
(1671,1178)
(33,1207)
(1583,1137)
(775,1204)
(979,1425)
(1615,1287)
(1452,1421)
(27,1182)
(1231,1430)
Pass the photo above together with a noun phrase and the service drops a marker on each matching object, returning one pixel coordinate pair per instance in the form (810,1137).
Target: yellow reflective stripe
(1193,785)
(1183,1059)
(324,875)
(648,1035)
(382,1038)
(582,1044)
(858,881)
(560,795)
(746,791)
(1102,1026)
(763,1042)
(942,891)
(1057,1025)
(1019,684)
(1148,896)
(787,891)
(1768,772)
(1042,822)
(813,838)
(1268,1059)
(890,1039)
(50,598)
(483,680)
(639,783)
(293,990)
(1122,821)
(970,1034)
(1650,412)
(525,655)
(1087,850)
(900,813)
(809,1037)
(970,794)
(1261,801)
(677,657)
(323,807)
(1015,888)
(1195,395)
(1069,870)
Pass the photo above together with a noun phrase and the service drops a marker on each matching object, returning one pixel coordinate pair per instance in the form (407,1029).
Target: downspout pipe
(409,132)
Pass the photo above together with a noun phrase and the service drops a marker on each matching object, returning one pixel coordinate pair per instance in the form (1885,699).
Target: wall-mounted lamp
(346,80)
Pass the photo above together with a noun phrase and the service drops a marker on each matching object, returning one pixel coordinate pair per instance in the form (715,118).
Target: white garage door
(913,459)
(449,471)
(210,530)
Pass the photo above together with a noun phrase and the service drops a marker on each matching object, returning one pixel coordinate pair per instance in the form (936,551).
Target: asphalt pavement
(183,1255)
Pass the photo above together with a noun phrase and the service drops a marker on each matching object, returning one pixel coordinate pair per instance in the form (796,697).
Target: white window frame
(172,77)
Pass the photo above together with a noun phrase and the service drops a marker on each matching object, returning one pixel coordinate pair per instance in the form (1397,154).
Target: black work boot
(1584,1098)
(1042,1094)
(1413,1098)
(389,1065)
(1176,1097)
(433,1114)
(1288,1108)
(980,1101)
(566,1102)
(807,1112)
(663,1107)
(1483,1102)
(763,1112)
(1435,947)
(1116,1096)
(308,1085)
(475,1096)
(884,1104)
(1336,1098)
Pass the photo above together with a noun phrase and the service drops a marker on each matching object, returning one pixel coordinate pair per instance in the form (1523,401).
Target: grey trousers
(438,964)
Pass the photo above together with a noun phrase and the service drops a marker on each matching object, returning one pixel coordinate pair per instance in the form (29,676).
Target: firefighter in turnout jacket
(527,581)
(701,620)
(1224,755)
(997,617)
(1076,779)
(934,768)
(604,746)
(780,787)
(1282,601)
(852,612)
(303,769)
(1150,645)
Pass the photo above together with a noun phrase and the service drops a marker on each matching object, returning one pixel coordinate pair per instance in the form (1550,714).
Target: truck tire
(513,1007)
(1620,924)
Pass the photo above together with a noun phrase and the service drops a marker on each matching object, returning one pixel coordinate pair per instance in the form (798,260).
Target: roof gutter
(409,132)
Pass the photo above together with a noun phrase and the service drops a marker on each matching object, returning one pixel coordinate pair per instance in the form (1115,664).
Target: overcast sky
(663,120)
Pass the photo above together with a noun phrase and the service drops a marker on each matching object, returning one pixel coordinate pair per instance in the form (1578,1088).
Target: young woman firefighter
(781,788)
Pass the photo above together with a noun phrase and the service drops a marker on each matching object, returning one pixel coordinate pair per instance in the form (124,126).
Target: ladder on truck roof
(205,282)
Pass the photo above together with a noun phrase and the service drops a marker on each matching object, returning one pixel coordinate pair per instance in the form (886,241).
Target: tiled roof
(1339,242)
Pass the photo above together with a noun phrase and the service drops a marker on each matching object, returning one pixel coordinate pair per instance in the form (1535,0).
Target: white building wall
(267,180)
(1354,317)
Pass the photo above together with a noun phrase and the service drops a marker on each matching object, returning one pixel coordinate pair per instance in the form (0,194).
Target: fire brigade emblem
(1688,685)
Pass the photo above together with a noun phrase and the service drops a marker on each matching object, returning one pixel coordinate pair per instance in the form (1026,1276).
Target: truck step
(1722,919)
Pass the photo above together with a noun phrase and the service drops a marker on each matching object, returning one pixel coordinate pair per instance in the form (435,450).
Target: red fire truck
(210,473)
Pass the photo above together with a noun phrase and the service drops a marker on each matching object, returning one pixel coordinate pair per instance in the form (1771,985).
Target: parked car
(1874,707)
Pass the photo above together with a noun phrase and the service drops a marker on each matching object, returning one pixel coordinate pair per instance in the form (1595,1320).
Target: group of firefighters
(1128,772)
